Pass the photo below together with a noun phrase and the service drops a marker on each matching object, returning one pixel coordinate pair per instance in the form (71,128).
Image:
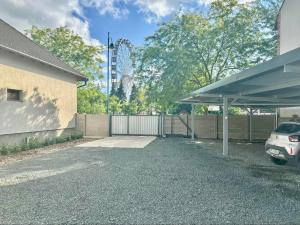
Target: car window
(288,128)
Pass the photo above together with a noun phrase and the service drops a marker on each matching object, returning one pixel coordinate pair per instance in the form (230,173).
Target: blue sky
(92,19)
(132,27)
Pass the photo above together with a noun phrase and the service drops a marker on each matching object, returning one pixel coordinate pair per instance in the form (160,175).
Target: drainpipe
(193,122)
(85,82)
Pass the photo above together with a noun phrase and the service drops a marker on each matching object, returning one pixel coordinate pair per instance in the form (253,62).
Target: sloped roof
(13,40)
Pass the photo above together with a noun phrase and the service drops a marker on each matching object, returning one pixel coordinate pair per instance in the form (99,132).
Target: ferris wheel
(122,65)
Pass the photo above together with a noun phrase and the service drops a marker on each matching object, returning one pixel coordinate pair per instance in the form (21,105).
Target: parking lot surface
(170,181)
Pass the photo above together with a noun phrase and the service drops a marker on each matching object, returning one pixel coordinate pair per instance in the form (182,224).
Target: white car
(284,143)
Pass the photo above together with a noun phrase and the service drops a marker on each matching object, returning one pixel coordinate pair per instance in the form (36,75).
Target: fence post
(127,124)
(217,126)
(187,123)
(171,125)
(85,124)
(158,125)
(162,125)
(110,125)
(193,122)
(250,125)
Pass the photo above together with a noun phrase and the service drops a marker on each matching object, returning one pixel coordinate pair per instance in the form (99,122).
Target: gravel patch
(171,181)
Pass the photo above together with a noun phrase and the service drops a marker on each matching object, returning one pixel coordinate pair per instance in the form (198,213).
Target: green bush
(24,147)
(15,148)
(33,142)
(76,136)
(60,140)
(4,150)
(46,142)
(68,138)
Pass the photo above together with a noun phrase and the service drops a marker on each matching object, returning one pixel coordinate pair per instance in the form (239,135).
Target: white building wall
(289,26)
(289,32)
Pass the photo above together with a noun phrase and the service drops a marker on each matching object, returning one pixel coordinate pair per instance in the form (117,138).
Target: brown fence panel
(238,127)
(93,125)
(178,126)
(262,126)
(80,123)
(167,124)
(206,126)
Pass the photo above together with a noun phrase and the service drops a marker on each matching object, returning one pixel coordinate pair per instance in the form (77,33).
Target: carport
(272,84)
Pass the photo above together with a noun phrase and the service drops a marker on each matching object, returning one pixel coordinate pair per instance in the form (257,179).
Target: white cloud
(108,7)
(153,10)
(156,9)
(206,2)
(22,14)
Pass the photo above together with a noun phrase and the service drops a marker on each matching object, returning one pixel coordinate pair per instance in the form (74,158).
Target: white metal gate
(136,125)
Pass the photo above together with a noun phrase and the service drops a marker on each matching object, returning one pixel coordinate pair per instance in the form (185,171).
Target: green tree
(130,108)
(87,59)
(113,91)
(115,105)
(193,50)
(134,93)
(121,92)
(91,100)
(70,48)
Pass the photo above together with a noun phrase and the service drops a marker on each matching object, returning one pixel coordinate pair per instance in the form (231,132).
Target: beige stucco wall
(49,100)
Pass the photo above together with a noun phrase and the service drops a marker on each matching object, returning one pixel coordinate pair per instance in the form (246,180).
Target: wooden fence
(210,126)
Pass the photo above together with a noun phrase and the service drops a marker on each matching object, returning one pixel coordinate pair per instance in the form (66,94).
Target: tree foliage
(115,105)
(134,93)
(113,91)
(70,48)
(91,100)
(193,49)
(121,92)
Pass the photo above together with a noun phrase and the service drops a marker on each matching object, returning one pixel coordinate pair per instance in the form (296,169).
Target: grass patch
(33,142)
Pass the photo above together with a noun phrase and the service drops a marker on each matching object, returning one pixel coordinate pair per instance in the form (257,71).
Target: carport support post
(193,122)
(276,119)
(225,126)
(250,125)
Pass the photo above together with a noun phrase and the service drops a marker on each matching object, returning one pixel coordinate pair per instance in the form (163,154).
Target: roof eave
(273,64)
(79,76)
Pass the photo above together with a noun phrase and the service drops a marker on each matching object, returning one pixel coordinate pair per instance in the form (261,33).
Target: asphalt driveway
(169,181)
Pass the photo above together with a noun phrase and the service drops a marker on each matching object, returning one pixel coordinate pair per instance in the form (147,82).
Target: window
(13,95)
(288,128)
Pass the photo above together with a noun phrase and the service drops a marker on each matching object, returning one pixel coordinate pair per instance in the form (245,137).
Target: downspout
(85,83)
(80,86)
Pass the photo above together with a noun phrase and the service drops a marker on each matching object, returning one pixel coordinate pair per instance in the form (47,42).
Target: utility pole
(107,91)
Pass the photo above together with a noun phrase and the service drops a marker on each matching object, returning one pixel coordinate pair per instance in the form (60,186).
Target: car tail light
(294,138)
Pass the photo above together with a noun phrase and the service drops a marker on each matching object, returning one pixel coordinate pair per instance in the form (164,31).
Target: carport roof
(274,83)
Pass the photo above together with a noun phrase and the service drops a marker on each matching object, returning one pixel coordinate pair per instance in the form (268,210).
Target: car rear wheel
(278,161)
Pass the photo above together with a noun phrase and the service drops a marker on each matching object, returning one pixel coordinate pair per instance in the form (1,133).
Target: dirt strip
(6,159)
